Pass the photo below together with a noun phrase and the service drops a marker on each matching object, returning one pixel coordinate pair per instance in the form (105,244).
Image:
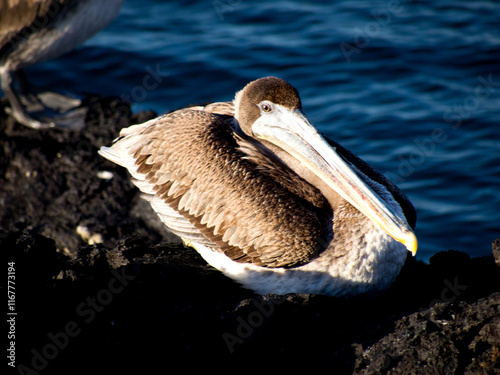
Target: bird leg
(36,96)
(40,109)
(16,109)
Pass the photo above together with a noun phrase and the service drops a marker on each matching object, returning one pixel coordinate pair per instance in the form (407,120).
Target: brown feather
(202,150)
(20,18)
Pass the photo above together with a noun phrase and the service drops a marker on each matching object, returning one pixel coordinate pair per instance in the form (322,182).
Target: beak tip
(411,243)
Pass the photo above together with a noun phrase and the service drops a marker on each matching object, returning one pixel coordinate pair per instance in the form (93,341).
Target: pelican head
(269,110)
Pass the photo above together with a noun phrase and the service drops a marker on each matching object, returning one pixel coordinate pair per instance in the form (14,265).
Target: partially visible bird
(266,199)
(32,31)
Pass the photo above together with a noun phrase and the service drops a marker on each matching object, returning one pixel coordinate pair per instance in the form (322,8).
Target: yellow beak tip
(411,243)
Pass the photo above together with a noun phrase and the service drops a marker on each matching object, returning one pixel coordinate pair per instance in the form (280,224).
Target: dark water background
(413,87)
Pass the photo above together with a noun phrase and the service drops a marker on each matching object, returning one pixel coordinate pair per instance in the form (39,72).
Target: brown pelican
(32,31)
(266,199)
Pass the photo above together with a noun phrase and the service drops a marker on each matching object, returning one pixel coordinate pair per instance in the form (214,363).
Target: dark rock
(445,339)
(51,180)
(101,287)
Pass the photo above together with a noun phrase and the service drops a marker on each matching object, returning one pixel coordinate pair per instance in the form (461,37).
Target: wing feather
(19,15)
(189,166)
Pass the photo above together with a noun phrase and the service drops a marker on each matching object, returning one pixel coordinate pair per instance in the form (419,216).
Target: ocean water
(413,87)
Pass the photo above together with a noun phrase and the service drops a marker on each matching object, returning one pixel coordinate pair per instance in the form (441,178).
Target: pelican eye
(266,107)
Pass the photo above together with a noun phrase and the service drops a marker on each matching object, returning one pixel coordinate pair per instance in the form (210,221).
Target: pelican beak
(292,132)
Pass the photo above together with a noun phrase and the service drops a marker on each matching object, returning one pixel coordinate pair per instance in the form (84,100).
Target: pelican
(32,31)
(266,199)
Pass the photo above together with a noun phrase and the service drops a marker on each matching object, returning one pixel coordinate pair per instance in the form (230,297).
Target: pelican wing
(19,15)
(190,166)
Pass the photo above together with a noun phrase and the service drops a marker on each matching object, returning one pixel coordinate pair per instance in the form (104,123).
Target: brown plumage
(220,187)
(20,18)
(251,235)
(32,31)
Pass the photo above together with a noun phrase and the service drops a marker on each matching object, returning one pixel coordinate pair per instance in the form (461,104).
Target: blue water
(412,87)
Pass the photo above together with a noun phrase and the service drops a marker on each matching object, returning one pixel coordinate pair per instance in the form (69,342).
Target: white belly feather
(369,269)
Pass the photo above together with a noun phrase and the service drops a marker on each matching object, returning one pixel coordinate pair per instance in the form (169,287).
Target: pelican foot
(48,110)
(58,102)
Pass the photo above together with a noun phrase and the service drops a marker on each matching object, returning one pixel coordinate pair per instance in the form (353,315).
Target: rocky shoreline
(101,285)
